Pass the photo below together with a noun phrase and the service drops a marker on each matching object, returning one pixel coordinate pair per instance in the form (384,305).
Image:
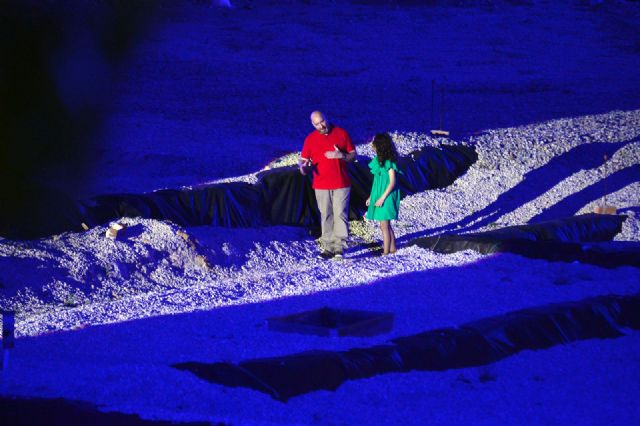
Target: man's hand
(304,166)
(335,154)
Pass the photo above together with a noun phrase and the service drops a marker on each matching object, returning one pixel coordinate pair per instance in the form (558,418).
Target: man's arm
(350,149)
(339,155)
(304,162)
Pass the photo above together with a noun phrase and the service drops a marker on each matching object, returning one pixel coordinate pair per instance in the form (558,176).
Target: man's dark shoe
(325,254)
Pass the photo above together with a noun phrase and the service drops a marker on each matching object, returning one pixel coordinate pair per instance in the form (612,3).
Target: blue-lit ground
(214,93)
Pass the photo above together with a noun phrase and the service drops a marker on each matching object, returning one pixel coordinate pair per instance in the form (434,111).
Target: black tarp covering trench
(472,344)
(584,238)
(234,204)
(280,197)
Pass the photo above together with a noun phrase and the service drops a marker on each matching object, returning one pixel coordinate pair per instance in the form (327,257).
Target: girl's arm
(392,184)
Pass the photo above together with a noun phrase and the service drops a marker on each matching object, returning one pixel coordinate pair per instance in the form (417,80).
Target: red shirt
(328,173)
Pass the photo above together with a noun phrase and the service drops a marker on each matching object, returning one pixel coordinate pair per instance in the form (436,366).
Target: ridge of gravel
(505,156)
(157,268)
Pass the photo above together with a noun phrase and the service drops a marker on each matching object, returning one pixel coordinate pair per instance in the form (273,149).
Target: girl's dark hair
(385,149)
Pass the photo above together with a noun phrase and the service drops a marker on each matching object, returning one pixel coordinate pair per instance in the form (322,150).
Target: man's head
(320,122)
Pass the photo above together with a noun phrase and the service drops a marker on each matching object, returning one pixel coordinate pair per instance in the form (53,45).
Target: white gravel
(158,268)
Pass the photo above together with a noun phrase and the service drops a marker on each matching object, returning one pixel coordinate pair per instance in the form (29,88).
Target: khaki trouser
(334,217)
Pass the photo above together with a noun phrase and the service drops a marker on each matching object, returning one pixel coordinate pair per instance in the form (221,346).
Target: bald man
(325,153)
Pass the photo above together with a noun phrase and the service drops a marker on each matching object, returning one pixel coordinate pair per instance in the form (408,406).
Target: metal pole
(604,199)
(441,105)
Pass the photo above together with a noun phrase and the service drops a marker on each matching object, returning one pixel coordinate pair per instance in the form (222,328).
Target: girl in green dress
(384,201)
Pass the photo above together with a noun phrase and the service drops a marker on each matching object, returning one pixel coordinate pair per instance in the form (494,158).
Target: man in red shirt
(326,152)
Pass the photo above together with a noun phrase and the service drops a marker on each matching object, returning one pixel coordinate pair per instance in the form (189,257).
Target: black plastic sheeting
(280,197)
(576,238)
(59,411)
(472,344)
(235,204)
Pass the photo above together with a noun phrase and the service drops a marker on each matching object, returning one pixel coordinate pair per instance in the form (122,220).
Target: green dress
(389,209)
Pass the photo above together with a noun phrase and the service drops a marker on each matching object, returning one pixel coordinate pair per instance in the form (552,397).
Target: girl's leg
(386,239)
(392,239)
